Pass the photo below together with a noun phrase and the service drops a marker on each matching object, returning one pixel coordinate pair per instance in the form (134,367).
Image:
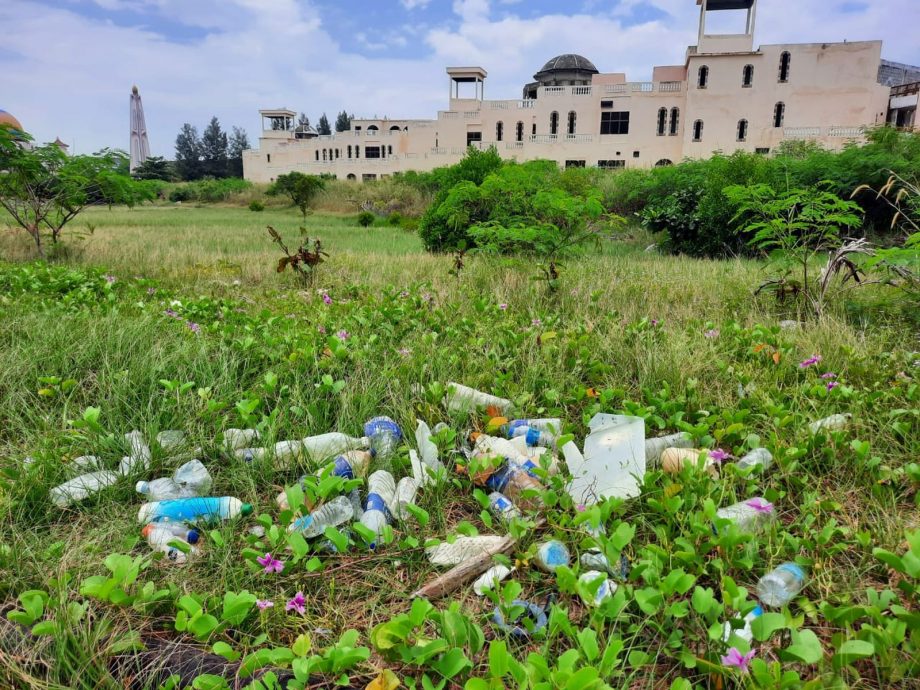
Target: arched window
(663,163)
(324,154)
(702,79)
(372,128)
(349,150)
(499,130)
(747,76)
(389,149)
(357,151)
(662,121)
(675,122)
(572,116)
(317,154)
(784,61)
(519,132)
(742,130)
(698,130)
(779,114)
(351,176)
(554,122)
(394,128)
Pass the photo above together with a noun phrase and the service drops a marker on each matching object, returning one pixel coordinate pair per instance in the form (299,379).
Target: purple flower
(736,659)
(719,455)
(193,327)
(343,335)
(831,385)
(264,604)
(427,297)
(297,604)
(321,329)
(654,322)
(109,278)
(760,505)
(151,291)
(712,333)
(404,294)
(404,351)
(829,375)
(536,322)
(171,313)
(272,564)
(503,306)
(811,361)
(326,298)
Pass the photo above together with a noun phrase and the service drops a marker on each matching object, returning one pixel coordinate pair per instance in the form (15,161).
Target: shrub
(302,189)
(256,205)
(366,219)
(180,194)
(394,219)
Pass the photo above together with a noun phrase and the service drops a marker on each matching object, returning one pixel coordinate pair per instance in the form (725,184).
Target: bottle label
(342,468)
(382,425)
(500,504)
(533,437)
(793,570)
(376,502)
(499,479)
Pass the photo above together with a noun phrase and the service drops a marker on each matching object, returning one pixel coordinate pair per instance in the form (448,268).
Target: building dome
(568,63)
(562,70)
(10,121)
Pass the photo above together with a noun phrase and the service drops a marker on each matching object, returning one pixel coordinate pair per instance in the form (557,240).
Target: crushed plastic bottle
(502,508)
(532,435)
(430,468)
(209,508)
(381,488)
(778,587)
(654,447)
(605,590)
(356,505)
(745,632)
(463,548)
(139,458)
(235,439)
(494,446)
(551,555)
(80,487)
(462,398)
(513,481)
(673,460)
(406,490)
(490,578)
(85,463)
(162,540)
(833,423)
(758,456)
(750,516)
(348,465)
(250,454)
(178,529)
(190,479)
(170,439)
(325,446)
(332,514)
(384,435)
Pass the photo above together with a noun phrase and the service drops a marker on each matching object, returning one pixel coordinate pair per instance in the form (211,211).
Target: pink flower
(811,361)
(109,278)
(760,505)
(503,306)
(404,294)
(831,385)
(171,313)
(321,329)
(736,659)
(404,351)
(654,322)
(712,333)
(719,455)
(151,291)
(297,604)
(264,604)
(326,298)
(271,563)
(829,375)
(193,327)
(343,335)
(536,322)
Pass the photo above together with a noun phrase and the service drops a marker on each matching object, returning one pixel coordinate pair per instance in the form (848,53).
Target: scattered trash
(595,560)
(85,463)
(513,481)
(464,572)
(190,479)
(257,531)
(551,555)
(463,549)
(140,453)
(613,462)
(192,509)
(833,423)
(751,515)
(331,514)
(758,456)
(381,489)
(406,490)
(161,540)
(384,436)
(491,578)
(606,589)
(428,453)
(535,432)
(673,460)
(654,447)
(494,446)
(169,440)
(461,398)
(502,508)
(745,633)
(234,439)
(789,324)
(532,613)
(178,529)
(348,465)
(80,487)
(780,585)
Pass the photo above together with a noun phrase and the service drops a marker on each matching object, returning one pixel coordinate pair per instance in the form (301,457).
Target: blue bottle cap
(192,537)
(378,425)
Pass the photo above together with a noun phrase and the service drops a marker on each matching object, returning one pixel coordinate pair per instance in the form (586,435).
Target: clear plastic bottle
(381,488)
(512,481)
(606,589)
(758,456)
(140,452)
(235,439)
(287,450)
(502,507)
(208,508)
(177,529)
(833,423)
(532,436)
(493,446)
(463,548)
(349,465)
(654,447)
(462,398)
(406,490)
(384,435)
(325,446)
(161,540)
(356,505)
(190,479)
(80,487)
(250,454)
(751,515)
(170,439)
(780,585)
(673,460)
(551,555)
(331,514)
(164,489)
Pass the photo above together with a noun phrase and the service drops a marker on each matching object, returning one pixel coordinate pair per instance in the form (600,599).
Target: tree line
(342,122)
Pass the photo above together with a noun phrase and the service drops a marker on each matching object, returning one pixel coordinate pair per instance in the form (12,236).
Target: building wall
(831,94)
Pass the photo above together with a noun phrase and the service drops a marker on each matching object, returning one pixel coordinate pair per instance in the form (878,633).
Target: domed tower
(563,70)
(15,127)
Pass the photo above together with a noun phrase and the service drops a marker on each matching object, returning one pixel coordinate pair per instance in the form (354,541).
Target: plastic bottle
(673,460)
(606,589)
(595,560)
(250,454)
(406,490)
(751,515)
(161,540)
(325,446)
(833,423)
(462,398)
(780,585)
(745,633)
(177,529)
(80,487)
(493,446)
(533,436)
(234,439)
(502,508)
(463,548)
(758,456)
(164,489)
(336,512)
(356,505)
(428,452)
(190,479)
(167,440)
(513,481)
(551,554)
(349,465)
(85,463)
(381,488)
(384,435)
(139,458)
(287,450)
(490,578)
(191,509)
(654,447)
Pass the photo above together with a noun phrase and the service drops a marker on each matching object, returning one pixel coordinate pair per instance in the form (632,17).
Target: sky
(67,66)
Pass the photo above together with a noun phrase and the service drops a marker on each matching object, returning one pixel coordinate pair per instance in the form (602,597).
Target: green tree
(343,122)
(188,153)
(238,143)
(154,168)
(303,120)
(43,188)
(214,149)
(302,189)
(322,127)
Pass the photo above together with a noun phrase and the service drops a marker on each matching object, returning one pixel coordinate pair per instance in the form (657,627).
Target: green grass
(597,333)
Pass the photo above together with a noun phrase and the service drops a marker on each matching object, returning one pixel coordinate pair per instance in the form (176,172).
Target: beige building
(726,96)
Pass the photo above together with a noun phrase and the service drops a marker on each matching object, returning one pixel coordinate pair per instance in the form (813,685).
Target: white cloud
(65,75)
(413,4)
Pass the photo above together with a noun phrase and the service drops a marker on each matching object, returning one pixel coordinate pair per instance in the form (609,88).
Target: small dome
(10,121)
(569,62)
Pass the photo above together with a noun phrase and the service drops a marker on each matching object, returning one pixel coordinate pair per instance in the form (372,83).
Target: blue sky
(67,66)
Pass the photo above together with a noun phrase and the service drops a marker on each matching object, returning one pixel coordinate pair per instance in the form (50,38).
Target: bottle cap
(192,537)
(142,487)
(246,509)
(148,528)
(474,435)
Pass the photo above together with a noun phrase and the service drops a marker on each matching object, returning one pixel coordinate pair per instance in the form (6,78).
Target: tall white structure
(140,147)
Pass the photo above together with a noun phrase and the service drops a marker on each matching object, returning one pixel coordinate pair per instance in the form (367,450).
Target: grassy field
(681,342)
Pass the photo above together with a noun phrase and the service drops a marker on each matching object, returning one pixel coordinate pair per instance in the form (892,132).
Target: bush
(209,190)
(394,219)
(180,194)
(256,205)
(366,219)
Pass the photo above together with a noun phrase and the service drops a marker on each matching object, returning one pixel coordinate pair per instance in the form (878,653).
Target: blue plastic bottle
(207,508)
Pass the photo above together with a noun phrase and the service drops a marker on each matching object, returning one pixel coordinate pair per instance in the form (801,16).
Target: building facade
(725,97)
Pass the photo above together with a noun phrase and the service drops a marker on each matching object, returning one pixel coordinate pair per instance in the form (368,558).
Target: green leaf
(498,658)
(702,599)
(452,663)
(587,640)
(805,647)
(202,626)
(44,628)
(209,681)
(226,651)
(649,600)
(237,607)
(853,650)
(302,645)
(767,624)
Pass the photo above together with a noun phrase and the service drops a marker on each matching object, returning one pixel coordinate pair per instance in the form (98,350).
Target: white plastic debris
(80,487)
(85,463)
(170,439)
(189,480)
(833,423)
(490,578)
(613,464)
(428,454)
(463,549)
(139,459)
(234,439)
(654,447)
(462,398)
(406,490)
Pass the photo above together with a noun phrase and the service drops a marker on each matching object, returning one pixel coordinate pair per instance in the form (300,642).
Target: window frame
(620,118)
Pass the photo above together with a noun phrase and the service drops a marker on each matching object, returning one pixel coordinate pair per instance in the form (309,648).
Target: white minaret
(139,147)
